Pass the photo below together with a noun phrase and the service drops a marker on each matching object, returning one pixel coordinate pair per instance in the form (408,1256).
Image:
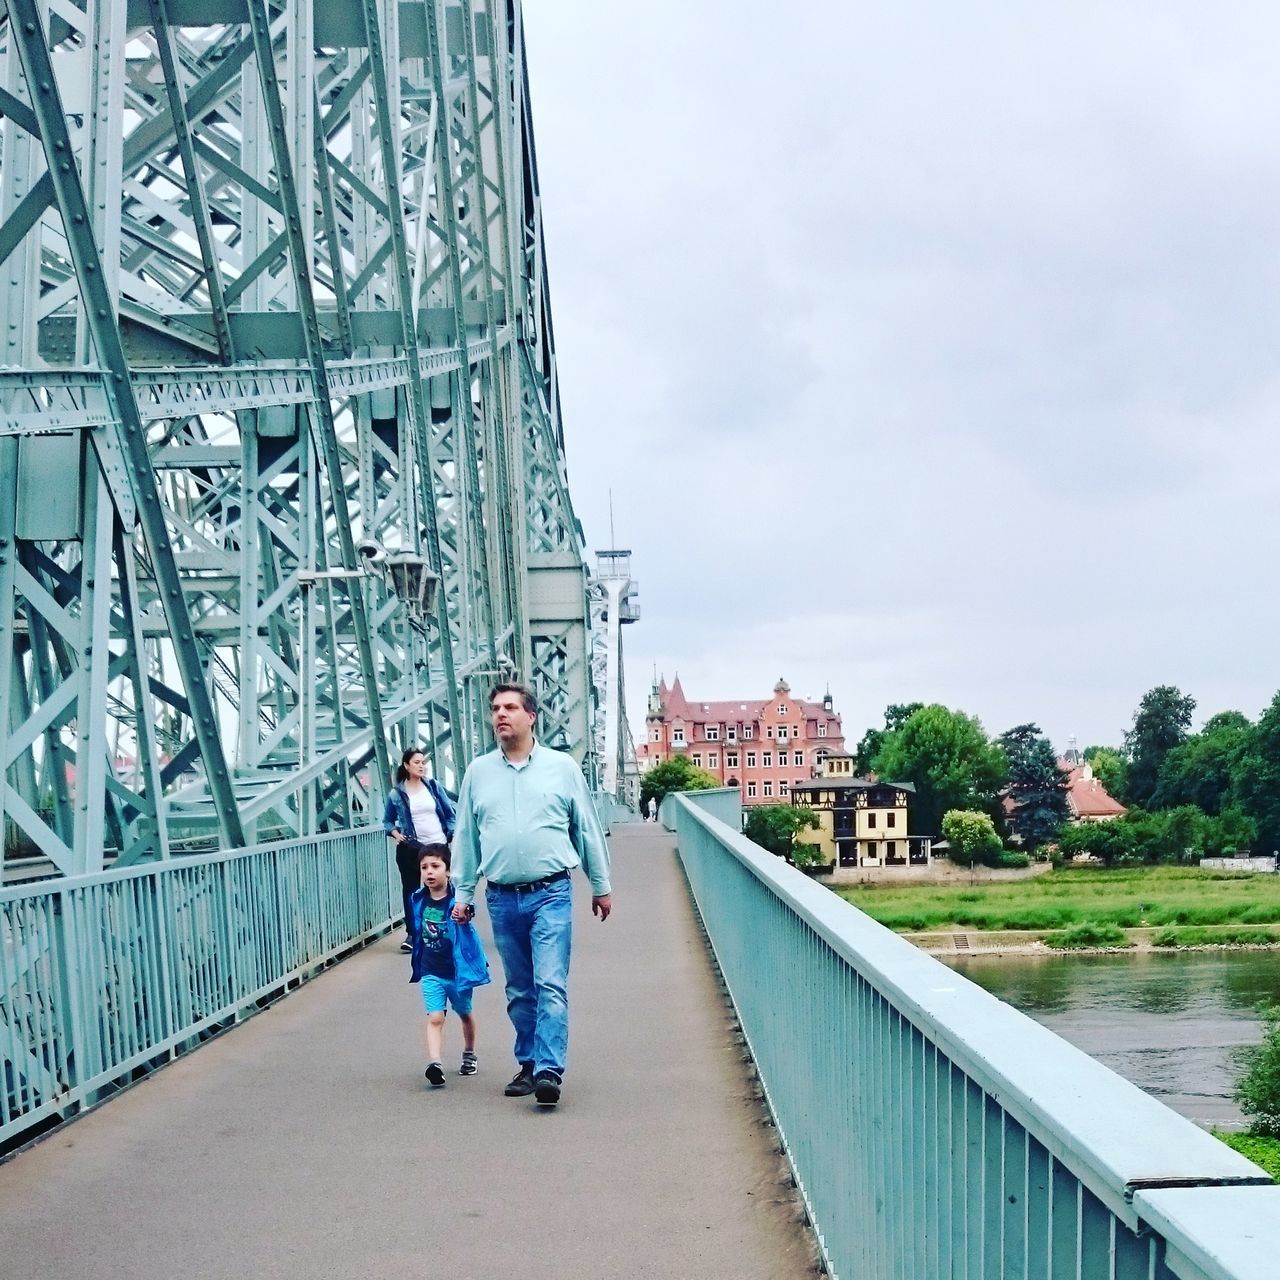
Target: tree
(896,714)
(1256,781)
(1258,1091)
(676,774)
(1110,768)
(1232,832)
(1201,770)
(1160,724)
(774,826)
(1037,786)
(947,757)
(972,837)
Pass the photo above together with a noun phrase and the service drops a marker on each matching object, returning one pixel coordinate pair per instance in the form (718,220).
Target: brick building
(763,747)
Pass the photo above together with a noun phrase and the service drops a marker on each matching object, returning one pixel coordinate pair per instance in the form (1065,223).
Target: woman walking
(418,808)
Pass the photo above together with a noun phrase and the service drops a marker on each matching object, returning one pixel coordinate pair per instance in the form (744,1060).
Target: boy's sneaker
(521,1085)
(406,946)
(435,1075)
(546,1088)
(470,1063)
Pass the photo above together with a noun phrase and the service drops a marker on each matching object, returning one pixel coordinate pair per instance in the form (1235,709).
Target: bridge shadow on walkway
(305,1144)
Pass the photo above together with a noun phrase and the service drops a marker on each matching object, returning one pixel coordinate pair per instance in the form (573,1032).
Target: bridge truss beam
(276,360)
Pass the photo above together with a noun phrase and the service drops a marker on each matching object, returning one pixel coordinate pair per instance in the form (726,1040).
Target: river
(1172,1023)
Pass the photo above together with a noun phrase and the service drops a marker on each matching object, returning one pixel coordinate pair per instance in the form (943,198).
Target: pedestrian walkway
(305,1144)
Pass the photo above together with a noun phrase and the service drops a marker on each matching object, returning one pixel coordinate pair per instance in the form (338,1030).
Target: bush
(1087,934)
(1010,859)
(1264,1152)
(972,837)
(1258,1090)
(677,774)
(774,826)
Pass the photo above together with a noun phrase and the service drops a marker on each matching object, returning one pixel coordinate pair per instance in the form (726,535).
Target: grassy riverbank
(1176,900)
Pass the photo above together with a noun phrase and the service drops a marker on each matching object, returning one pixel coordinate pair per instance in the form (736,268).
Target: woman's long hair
(402,773)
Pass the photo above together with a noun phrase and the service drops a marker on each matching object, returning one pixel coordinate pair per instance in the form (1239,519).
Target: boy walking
(448,961)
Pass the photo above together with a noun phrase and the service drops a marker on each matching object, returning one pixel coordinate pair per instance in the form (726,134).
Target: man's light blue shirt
(520,822)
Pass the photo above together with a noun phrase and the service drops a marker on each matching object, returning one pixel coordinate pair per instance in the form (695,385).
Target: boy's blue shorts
(435,991)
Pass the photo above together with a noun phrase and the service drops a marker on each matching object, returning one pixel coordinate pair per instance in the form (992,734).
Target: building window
(713,733)
(871,817)
(822,730)
(731,733)
(890,819)
(713,762)
(783,759)
(731,759)
(768,760)
(768,731)
(782,733)
(655,735)
(751,759)
(768,788)
(697,758)
(748,731)
(782,787)
(677,736)
(782,708)
(751,789)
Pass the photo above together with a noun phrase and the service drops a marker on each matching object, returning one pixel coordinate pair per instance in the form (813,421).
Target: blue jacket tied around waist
(470,968)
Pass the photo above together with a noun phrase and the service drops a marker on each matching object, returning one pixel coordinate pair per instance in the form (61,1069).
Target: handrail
(934,1130)
(107,975)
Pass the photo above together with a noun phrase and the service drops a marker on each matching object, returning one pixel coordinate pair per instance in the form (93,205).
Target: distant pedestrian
(525,820)
(448,960)
(418,808)
(652,809)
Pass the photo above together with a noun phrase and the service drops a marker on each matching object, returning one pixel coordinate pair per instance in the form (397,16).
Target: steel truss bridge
(282,477)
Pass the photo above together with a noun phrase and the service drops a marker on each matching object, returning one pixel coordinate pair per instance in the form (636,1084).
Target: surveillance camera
(370,550)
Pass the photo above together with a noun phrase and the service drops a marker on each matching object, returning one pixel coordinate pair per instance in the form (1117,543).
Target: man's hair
(440,851)
(526,696)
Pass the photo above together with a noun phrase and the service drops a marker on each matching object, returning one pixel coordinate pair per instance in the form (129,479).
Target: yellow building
(861,822)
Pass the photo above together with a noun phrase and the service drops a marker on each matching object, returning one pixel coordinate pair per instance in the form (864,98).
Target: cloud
(926,349)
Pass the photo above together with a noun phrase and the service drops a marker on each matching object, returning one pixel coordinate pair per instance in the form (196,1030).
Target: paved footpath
(305,1144)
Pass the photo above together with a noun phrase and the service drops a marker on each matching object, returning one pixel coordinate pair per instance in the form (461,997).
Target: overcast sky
(929,350)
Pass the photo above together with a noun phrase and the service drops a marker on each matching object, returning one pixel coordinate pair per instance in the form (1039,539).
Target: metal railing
(934,1131)
(104,976)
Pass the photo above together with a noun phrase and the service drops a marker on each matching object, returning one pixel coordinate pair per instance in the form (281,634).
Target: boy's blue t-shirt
(436,938)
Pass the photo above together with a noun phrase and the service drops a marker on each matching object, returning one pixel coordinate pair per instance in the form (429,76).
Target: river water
(1171,1023)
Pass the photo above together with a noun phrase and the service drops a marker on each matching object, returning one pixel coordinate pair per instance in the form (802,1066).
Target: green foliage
(896,714)
(1201,936)
(1111,769)
(1159,725)
(946,755)
(774,826)
(1264,1152)
(1087,934)
(1037,786)
(676,774)
(1201,770)
(1010,860)
(1258,1089)
(972,837)
(1257,778)
(1138,837)
(1232,832)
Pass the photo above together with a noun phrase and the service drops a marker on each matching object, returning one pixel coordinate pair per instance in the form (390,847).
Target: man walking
(525,820)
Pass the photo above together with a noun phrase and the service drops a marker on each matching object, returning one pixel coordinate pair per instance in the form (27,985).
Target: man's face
(511,722)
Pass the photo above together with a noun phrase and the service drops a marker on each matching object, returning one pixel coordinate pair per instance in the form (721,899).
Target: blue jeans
(532,932)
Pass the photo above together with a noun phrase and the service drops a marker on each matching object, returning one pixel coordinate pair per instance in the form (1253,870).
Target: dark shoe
(470,1063)
(406,946)
(521,1085)
(435,1076)
(546,1088)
